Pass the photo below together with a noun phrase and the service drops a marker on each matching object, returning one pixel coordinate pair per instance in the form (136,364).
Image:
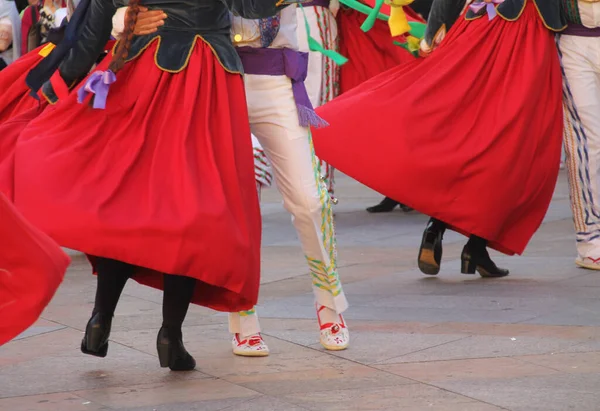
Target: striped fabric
(330,80)
(262,167)
(583,192)
(571,9)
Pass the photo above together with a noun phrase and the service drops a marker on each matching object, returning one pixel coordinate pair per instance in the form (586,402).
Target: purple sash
(284,62)
(581,31)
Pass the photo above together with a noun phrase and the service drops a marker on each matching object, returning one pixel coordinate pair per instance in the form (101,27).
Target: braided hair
(122,49)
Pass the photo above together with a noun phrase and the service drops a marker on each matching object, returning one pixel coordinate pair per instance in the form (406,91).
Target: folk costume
(579,45)
(176,111)
(15,94)
(459,130)
(280,113)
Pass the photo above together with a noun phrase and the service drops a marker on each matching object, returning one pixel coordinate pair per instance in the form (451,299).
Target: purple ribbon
(98,84)
(284,62)
(489,5)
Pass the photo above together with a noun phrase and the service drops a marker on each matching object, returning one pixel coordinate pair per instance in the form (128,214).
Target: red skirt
(31,268)
(10,131)
(14,93)
(161,179)
(368,53)
(470,135)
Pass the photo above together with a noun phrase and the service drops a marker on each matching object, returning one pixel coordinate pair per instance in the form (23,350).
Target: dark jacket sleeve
(90,44)
(442,17)
(422,7)
(257,9)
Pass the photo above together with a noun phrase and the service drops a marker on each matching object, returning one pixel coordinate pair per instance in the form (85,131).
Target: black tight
(176,300)
(112,277)
(475,242)
(437,225)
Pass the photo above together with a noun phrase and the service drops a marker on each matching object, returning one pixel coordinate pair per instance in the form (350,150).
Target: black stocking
(176,301)
(477,244)
(112,277)
(437,225)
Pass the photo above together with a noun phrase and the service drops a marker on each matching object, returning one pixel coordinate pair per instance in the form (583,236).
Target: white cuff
(118,21)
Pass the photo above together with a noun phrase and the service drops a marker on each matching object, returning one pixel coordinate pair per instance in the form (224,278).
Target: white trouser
(322,81)
(274,121)
(581,64)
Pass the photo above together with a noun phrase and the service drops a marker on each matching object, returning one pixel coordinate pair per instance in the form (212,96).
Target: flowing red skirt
(368,53)
(14,93)
(10,131)
(162,179)
(470,135)
(32,267)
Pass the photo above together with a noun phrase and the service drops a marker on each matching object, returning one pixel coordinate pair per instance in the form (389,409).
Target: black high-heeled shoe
(97,332)
(171,351)
(430,252)
(479,260)
(386,205)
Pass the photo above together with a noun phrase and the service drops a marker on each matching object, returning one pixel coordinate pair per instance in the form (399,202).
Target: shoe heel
(93,340)
(101,352)
(467,266)
(163,354)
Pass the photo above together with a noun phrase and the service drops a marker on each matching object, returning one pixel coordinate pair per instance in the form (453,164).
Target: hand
(149,21)
(424,49)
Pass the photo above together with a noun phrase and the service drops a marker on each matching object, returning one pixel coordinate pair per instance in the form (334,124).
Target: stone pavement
(452,342)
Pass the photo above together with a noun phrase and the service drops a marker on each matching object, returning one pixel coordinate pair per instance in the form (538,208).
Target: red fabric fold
(470,135)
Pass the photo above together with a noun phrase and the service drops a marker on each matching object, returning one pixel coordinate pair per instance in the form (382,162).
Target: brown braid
(122,49)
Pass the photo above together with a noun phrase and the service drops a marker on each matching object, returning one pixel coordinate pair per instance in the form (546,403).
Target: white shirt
(589,11)
(59,16)
(245,32)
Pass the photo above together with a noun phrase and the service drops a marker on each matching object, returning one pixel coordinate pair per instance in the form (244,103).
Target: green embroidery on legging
(324,273)
(247,313)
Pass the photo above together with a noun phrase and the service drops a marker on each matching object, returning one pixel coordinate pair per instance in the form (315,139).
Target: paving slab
(450,342)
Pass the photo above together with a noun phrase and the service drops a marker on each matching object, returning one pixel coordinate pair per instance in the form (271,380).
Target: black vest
(550,12)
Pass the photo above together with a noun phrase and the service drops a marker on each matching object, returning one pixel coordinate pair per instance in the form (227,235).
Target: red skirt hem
(470,135)
(161,179)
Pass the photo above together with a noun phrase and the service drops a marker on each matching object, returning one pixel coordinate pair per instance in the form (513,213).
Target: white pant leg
(322,81)
(581,64)
(246,322)
(274,121)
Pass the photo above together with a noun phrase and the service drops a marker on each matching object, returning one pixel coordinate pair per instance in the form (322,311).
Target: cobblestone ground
(452,342)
